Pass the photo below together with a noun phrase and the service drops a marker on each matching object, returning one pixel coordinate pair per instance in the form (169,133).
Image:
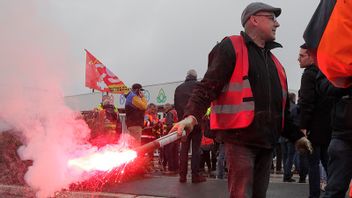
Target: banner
(329,34)
(101,78)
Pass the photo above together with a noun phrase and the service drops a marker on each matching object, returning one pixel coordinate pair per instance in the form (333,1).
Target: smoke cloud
(33,55)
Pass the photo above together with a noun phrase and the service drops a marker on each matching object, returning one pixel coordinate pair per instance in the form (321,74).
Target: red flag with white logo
(101,78)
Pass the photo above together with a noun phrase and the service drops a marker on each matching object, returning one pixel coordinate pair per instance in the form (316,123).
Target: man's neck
(256,39)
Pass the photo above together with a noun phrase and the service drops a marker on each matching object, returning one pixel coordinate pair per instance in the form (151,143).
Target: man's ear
(252,20)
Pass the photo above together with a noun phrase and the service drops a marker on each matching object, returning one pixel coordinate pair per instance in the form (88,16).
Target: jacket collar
(268,45)
(312,66)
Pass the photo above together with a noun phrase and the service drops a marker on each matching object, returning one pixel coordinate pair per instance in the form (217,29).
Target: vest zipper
(265,54)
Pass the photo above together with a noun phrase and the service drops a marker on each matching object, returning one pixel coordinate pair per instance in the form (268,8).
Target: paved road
(163,186)
(157,186)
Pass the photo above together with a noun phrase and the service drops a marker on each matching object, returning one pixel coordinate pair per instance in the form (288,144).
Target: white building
(158,94)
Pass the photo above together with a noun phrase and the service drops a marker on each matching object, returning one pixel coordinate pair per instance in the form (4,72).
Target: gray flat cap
(255,7)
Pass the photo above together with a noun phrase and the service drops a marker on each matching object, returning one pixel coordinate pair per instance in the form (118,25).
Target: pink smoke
(33,63)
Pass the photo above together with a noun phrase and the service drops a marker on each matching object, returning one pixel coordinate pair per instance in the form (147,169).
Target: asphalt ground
(169,186)
(154,186)
(159,186)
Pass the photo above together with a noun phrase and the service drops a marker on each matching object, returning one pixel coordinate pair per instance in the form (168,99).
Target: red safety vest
(234,108)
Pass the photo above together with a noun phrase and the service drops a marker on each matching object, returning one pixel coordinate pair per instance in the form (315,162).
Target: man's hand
(140,93)
(185,124)
(303,145)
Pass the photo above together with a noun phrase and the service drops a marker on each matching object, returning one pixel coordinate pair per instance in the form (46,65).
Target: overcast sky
(150,42)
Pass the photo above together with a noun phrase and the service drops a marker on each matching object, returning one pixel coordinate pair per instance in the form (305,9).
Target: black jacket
(341,114)
(182,94)
(267,92)
(295,112)
(315,108)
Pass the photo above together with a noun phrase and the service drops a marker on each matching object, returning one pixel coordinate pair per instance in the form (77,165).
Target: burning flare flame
(103,160)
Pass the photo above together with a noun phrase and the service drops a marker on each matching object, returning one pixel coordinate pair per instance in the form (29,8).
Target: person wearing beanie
(246,87)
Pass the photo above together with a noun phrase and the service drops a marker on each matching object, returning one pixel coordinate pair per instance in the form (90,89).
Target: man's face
(304,58)
(266,24)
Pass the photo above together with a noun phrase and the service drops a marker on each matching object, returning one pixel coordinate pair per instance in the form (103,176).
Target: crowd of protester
(106,127)
(158,121)
(210,160)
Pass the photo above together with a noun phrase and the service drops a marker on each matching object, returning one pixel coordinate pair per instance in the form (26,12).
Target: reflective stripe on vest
(245,106)
(234,108)
(237,86)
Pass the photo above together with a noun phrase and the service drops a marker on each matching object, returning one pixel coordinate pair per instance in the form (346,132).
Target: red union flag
(101,78)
